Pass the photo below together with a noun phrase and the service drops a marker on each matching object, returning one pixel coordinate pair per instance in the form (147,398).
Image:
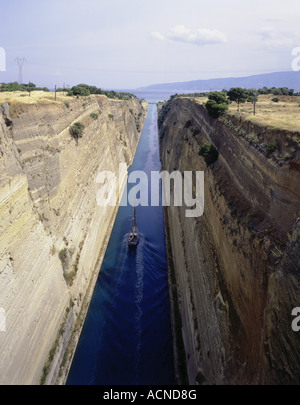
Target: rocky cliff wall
(53,234)
(237,267)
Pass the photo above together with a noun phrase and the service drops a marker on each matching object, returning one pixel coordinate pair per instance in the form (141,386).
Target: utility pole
(20,62)
(254,101)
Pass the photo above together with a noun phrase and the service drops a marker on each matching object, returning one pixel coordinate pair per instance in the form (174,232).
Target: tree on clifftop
(238,95)
(217,104)
(253,98)
(79,90)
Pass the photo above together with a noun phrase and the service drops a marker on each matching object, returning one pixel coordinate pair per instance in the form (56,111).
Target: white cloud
(267,33)
(274,37)
(201,36)
(157,35)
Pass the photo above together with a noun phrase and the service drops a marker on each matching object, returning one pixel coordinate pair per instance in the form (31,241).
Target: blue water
(126,338)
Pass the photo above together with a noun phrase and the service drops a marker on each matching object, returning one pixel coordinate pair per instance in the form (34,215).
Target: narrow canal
(126,338)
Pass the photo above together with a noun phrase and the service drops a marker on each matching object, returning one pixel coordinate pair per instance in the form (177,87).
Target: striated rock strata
(53,235)
(236,269)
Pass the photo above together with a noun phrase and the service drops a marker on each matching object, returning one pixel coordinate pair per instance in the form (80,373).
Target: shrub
(63,256)
(76,130)
(110,116)
(209,152)
(272,146)
(94,116)
(195,131)
(275,99)
(252,139)
(69,277)
(188,124)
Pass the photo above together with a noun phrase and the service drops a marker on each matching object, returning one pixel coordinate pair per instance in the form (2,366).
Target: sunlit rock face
(53,231)
(235,268)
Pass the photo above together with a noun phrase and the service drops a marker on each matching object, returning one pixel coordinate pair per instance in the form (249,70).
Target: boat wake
(138,300)
(126,339)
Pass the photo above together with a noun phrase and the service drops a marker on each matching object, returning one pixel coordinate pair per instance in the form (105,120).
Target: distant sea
(152,96)
(155,95)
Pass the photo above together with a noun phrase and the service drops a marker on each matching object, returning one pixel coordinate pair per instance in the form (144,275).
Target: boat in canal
(134,234)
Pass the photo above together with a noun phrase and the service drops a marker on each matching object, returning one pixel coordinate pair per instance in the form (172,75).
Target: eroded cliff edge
(236,269)
(53,234)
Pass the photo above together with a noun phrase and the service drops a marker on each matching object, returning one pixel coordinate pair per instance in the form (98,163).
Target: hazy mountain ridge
(288,79)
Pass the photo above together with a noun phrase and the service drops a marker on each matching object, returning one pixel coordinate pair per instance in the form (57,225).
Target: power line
(111,70)
(200,71)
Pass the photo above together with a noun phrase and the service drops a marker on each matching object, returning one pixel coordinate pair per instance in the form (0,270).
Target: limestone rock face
(237,267)
(53,233)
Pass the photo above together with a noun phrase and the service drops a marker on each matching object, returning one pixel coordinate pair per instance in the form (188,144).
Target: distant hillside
(279,79)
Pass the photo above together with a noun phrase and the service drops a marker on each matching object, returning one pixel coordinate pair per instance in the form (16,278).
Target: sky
(127,44)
